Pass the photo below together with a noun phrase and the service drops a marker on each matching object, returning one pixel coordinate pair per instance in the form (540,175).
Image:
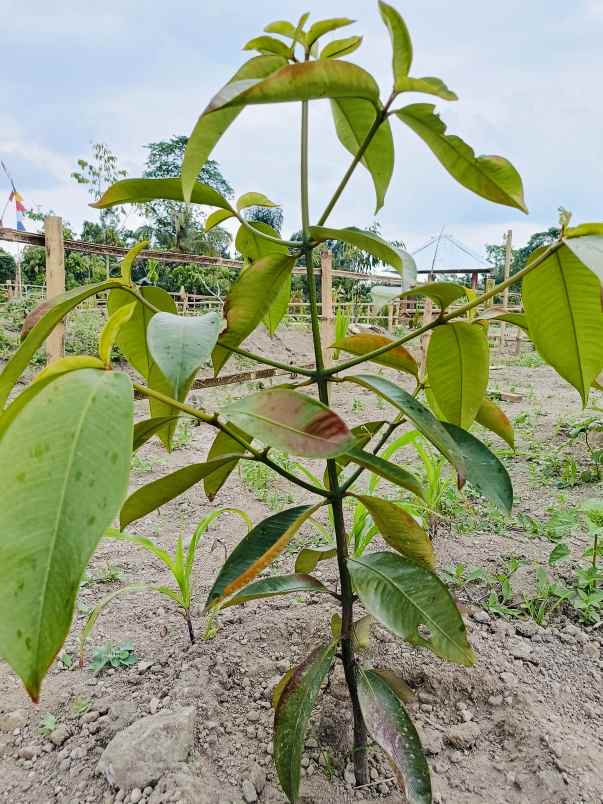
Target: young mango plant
(66,441)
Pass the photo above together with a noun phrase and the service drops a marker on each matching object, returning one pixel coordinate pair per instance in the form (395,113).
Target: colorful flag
(20,209)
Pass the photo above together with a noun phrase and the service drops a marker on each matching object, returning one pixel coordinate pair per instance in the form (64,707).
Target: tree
(8,266)
(98,174)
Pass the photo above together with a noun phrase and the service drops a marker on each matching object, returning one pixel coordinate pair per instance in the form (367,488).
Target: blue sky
(128,73)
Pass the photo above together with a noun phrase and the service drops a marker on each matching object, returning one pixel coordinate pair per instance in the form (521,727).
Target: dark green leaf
(484,470)
(254,200)
(493,418)
(389,471)
(405,596)
(250,243)
(443,293)
(341,47)
(64,464)
(399,529)
(223,444)
(390,726)
(492,177)
(150,497)
(257,550)
(310,557)
(292,714)
(129,260)
(364,240)
(147,428)
(216,218)
(278,585)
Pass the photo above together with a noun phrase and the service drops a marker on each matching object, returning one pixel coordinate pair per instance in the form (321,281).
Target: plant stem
(449,316)
(347,595)
(189,625)
(305,372)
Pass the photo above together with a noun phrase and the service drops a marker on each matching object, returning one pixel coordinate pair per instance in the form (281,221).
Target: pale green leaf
(111,329)
(401,42)
(341,47)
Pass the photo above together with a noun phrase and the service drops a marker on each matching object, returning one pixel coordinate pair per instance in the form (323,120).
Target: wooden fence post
(508,256)
(390,317)
(327,319)
(55,280)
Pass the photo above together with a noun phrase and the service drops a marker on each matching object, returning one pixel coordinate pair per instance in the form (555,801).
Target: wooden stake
(55,280)
(327,320)
(508,256)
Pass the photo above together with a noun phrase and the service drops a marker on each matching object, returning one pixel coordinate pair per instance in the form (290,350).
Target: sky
(130,72)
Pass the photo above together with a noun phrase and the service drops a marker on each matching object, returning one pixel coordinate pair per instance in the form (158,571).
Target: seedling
(112,657)
(48,724)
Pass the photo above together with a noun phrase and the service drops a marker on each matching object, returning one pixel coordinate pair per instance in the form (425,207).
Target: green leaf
(404,596)
(516,319)
(254,200)
(223,444)
(405,693)
(147,428)
(268,44)
(310,557)
(493,418)
(129,260)
(589,250)
(310,80)
(111,329)
(283,28)
(323,27)
(150,497)
(428,84)
(252,245)
(559,553)
(278,309)
(364,240)
(458,359)
(397,358)
(64,464)
(442,293)
(401,42)
(363,434)
(209,129)
(180,345)
(64,365)
(562,300)
(293,422)
(38,326)
(257,550)
(353,118)
(217,217)
(492,177)
(292,714)
(341,47)
(390,726)
(249,300)
(583,229)
(138,191)
(399,529)
(389,471)
(484,470)
(278,585)
(422,418)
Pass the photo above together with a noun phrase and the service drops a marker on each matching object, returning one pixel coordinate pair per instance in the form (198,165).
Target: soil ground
(524,725)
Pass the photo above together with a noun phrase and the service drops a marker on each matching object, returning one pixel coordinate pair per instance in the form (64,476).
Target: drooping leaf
(310,557)
(249,300)
(64,365)
(405,693)
(278,585)
(491,177)
(38,326)
(223,444)
(111,329)
(216,218)
(362,239)
(383,294)
(399,529)
(493,418)
(150,497)
(293,422)
(268,44)
(292,714)
(562,300)
(138,191)
(516,319)
(63,481)
(387,470)
(429,84)
(422,418)
(484,470)
(323,27)
(341,47)
(353,118)
(589,250)
(397,358)
(209,129)
(147,428)
(390,726)
(401,42)
(287,29)
(442,293)
(310,80)
(257,550)
(254,200)
(180,345)
(129,260)
(404,596)
(458,359)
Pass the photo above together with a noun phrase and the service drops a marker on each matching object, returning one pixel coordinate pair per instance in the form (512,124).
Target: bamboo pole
(55,280)
(508,256)
(327,320)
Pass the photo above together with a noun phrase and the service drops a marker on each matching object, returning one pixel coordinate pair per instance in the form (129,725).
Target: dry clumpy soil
(193,724)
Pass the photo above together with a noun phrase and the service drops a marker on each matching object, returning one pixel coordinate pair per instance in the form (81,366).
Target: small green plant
(111,656)
(180,565)
(261,481)
(80,705)
(66,659)
(48,724)
(530,360)
(342,324)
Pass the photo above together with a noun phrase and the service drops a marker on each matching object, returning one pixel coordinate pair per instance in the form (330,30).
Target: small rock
(59,735)
(508,679)
(253,716)
(136,795)
(426,697)
(282,666)
(464,736)
(154,705)
(592,650)
(249,792)
(90,717)
(13,720)
(258,777)
(495,700)
(481,616)
(28,752)
(349,776)
(141,668)
(432,741)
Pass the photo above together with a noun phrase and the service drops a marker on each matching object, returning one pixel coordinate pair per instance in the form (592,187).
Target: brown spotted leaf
(398,358)
(293,422)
